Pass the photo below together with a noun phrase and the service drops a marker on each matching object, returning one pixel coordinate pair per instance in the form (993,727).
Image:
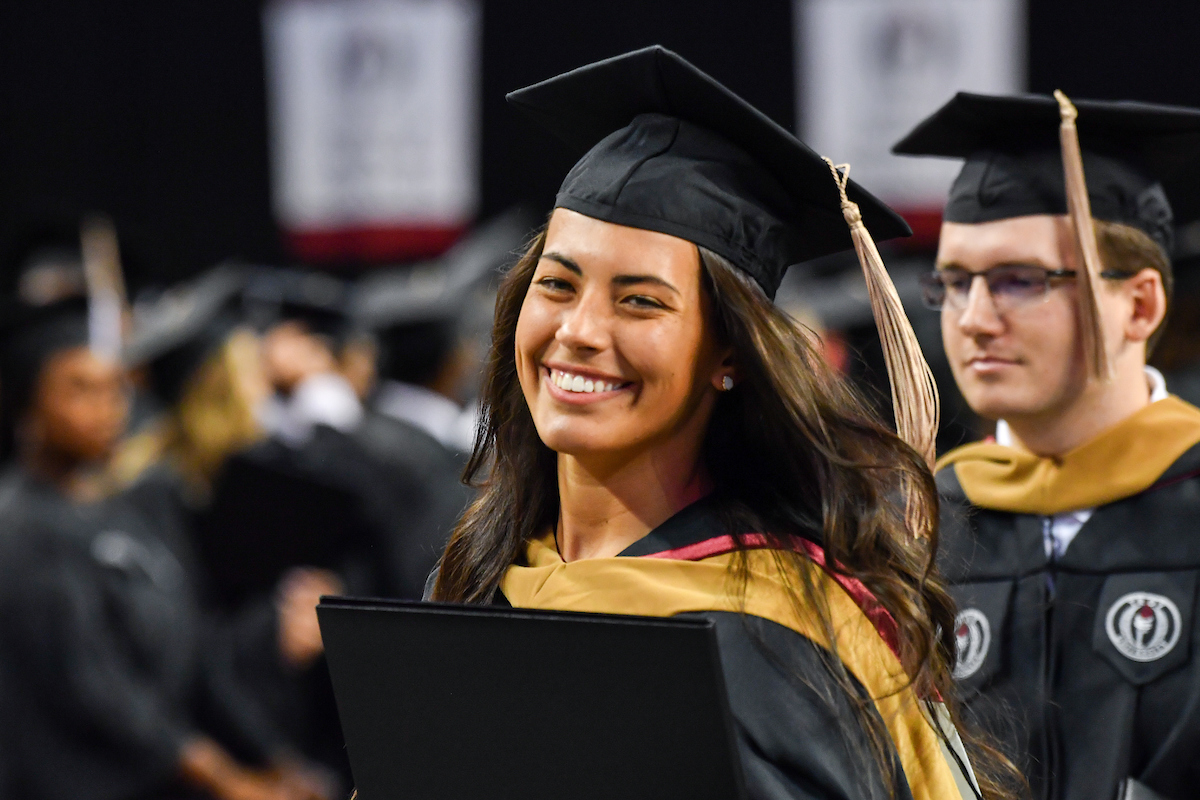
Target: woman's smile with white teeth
(578,383)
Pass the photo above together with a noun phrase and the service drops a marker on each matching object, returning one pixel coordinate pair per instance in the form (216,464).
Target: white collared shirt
(323,399)
(1059,530)
(434,413)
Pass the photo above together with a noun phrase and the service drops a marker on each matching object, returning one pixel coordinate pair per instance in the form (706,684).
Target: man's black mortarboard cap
(1135,156)
(671,150)
(178,332)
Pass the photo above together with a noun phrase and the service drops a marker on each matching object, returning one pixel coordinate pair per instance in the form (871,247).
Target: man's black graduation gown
(112,664)
(1078,664)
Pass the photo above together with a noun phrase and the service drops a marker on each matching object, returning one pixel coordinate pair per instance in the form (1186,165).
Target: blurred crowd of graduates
(186,472)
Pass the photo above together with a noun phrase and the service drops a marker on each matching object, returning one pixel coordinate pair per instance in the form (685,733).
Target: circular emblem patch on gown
(1143,626)
(972,637)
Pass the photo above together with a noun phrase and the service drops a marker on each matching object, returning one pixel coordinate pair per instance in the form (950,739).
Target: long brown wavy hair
(794,450)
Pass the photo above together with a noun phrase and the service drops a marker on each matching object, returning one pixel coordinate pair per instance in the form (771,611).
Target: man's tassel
(914,392)
(1080,210)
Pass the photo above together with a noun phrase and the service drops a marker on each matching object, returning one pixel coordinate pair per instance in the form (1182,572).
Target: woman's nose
(587,325)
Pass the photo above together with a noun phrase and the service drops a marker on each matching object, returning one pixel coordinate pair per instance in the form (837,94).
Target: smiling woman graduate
(660,439)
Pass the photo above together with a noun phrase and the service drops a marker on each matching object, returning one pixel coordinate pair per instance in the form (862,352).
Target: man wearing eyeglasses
(1072,539)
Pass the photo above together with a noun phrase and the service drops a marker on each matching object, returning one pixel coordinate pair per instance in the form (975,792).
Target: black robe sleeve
(797,732)
(229,705)
(75,677)
(225,704)
(6,732)
(425,497)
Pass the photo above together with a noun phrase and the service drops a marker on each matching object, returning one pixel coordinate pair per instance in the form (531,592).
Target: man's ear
(1147,304)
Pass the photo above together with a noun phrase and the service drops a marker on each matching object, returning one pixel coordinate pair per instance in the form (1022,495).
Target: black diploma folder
(442,702)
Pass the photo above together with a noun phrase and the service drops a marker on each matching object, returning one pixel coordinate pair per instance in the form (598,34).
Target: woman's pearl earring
(726,383)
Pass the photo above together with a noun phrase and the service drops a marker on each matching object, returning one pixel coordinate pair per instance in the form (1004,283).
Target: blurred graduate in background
(431,324)
(116,685)
(162,564)
(206,364)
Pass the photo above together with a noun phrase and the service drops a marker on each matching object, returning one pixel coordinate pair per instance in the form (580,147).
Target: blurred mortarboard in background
(415,311)
(435,290)
(51,273)
(68,258)
(317,299)
(42,261)
(178,331)
(1135,157)
(671,150)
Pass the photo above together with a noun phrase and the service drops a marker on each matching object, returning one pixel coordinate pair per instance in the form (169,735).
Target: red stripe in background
(926,226)
(879,616)
(372,243)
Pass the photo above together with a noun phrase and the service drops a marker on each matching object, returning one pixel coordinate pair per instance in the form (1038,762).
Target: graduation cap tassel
(107,307)
(914,393)
(1080,210)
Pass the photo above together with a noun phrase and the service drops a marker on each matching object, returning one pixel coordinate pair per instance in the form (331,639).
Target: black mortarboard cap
(433,291)
(31,336)
(671,150)
(1135,157)
(317,299)
(415,311)
(180,330)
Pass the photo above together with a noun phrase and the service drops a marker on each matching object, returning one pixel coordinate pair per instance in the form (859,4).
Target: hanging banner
(870,70)
(374,118)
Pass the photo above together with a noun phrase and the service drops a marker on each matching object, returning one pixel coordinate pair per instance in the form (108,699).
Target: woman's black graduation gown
(797,731)
(113,664)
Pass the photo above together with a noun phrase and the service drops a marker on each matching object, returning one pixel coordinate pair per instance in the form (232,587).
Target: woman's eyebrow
(633,280)
(619,280)
(564,261)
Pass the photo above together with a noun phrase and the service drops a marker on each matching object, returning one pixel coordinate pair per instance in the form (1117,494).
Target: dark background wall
(155,113)
(1116,50)
(151,112)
